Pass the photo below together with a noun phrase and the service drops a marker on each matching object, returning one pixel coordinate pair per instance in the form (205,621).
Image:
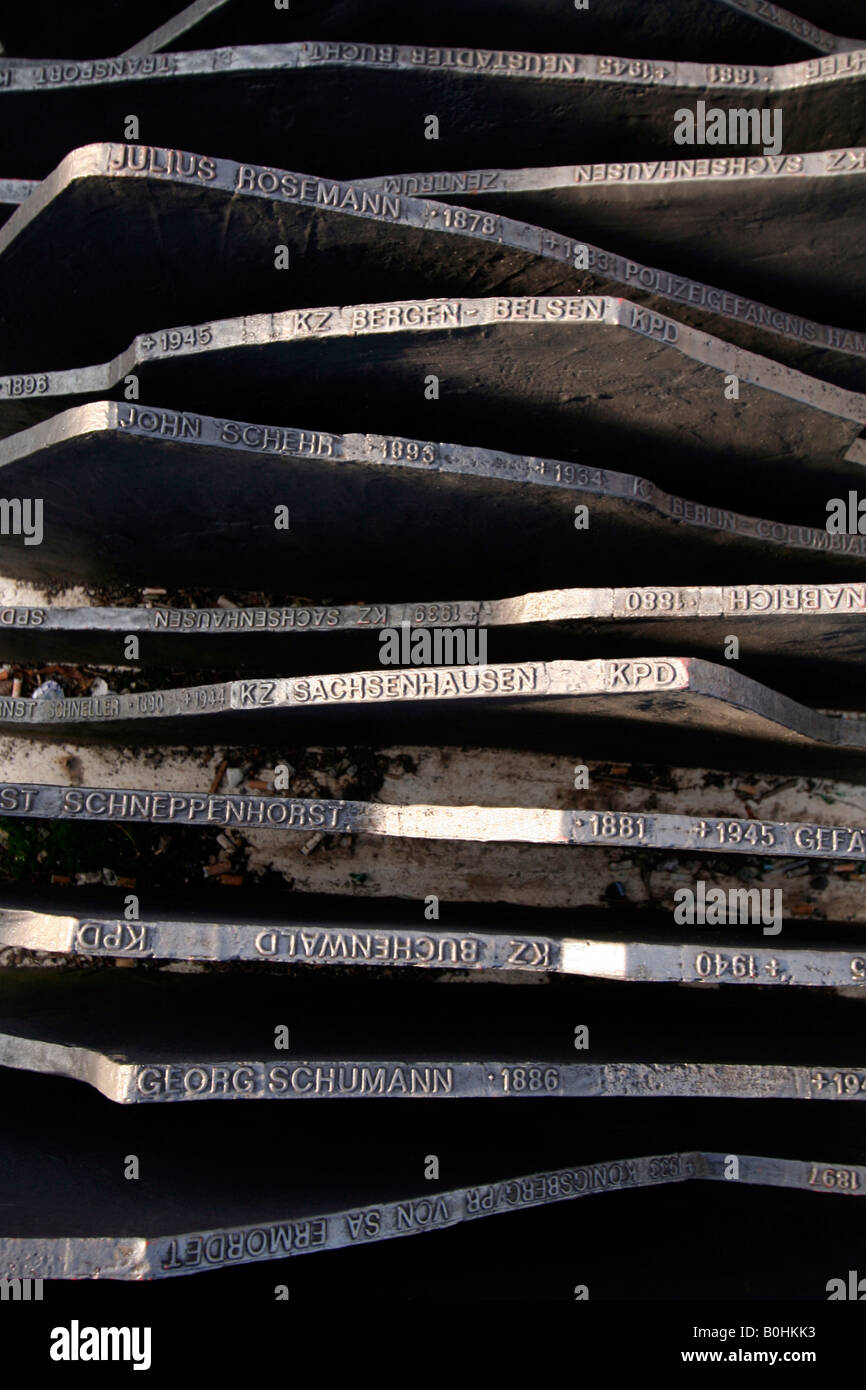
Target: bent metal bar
(128,1256)
(715,834)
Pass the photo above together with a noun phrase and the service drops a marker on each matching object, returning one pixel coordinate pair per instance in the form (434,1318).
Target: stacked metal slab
(431,639)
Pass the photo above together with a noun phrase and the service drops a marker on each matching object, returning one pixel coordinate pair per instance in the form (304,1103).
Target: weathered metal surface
(164,1039)
(718,30)
(584,362)
(227,219)
(583,358)
(358,939)
(308,928)
(333,104)
(728,221)
(689,697)
(298,1227)
(196,1077)
(790,634)
(784,228)
(694,834)
(350,872)
(678,206)
(130,491)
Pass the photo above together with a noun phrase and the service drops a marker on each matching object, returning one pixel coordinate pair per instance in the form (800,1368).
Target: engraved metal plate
(582,361)
(226,220)
(334,103)
(358,939)
(705,222)
(298,1225)
(164,1039)
(790,634)
(786,229)
(577,371)
(685,698)
(126,489)
(505,825)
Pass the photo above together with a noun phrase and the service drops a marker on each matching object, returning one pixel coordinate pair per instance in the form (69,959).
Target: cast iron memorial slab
(718,30)
(783,229)
(339,934)
(299,1227)
(562,365)
(790,634)
(122,492)
(580,360)
(211,1169)
(227,222)
(509,824)
(160,1039)
(351,109)
(121,239)
(683,698)
(157,1044)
